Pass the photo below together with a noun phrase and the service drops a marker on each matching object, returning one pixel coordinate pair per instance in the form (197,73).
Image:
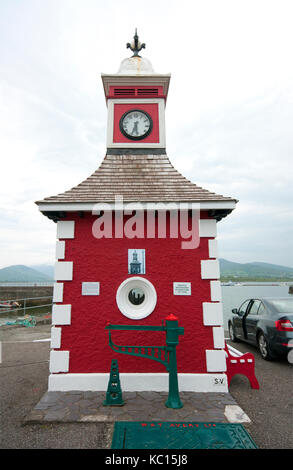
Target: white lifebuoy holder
(136,298)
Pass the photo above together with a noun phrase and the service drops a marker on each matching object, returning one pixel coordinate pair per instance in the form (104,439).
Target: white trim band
(139,382)
(89,206)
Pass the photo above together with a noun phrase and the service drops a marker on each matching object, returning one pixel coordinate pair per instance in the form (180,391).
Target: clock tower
(136,98)
(131,250)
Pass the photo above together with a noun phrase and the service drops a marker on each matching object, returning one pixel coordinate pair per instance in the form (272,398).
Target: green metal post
(172,333)
(155,353)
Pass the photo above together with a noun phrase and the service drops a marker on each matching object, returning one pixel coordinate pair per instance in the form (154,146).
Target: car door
(250,321)
(238,328)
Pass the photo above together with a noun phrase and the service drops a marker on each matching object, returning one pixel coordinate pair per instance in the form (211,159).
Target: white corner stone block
(58,292)
(207,228)
(213,248)
(60,249)
(216,291)
(65,229)
(210,269)
(55,337)
(63,271)
(61,315)
(59,361)
(219,337)
(216,360)
(212,314)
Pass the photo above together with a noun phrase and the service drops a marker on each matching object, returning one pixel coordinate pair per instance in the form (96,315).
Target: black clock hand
(135,129)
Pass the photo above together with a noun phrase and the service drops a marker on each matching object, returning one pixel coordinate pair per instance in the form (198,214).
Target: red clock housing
(151,108)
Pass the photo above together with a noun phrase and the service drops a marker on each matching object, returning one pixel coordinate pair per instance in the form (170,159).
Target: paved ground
(23,382)
(138,406)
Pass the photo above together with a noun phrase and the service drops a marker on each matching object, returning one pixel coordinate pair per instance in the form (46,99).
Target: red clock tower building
(131,211)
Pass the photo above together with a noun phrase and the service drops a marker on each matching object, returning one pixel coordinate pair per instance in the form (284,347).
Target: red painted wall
(150,108)
(106,261)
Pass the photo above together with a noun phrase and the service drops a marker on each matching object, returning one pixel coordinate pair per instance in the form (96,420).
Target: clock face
(136,124)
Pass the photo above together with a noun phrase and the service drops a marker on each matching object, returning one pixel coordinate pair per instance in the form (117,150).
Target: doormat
(180,435)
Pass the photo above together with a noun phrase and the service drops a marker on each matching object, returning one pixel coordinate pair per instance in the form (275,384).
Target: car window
(243,307)
(254,308)
(261,309)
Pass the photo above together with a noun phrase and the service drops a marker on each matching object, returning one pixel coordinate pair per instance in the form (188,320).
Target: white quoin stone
(207,228)
(58,292)
(63,271)
(216,291)
(61,315)
(55,337)
(213,249)
(219,337)
(65,229)
(212,314)
(59,361)
(60,249)
(210,269)
(216,360)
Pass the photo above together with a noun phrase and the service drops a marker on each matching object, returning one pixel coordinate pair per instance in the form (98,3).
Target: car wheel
(263,346)
(232,334)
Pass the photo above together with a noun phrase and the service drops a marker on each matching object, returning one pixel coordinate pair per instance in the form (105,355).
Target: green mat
(180,435)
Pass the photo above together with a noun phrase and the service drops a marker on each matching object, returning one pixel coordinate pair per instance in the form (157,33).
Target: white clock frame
(136,143)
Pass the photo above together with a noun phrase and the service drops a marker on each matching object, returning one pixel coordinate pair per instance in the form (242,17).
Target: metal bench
(238,363)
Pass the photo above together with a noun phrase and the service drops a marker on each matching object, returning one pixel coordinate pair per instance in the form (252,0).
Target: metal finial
(136,46)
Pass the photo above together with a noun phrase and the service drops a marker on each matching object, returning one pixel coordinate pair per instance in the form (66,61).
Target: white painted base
(139,382)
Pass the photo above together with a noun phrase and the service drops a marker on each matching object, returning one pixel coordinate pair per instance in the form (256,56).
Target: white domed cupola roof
(135,65)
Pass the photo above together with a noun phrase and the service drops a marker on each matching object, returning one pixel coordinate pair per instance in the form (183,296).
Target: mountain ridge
(229,270)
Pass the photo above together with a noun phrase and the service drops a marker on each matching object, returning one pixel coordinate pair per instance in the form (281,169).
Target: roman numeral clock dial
(136,124)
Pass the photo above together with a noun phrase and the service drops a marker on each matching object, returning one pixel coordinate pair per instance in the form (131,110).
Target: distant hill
(229,271)
(256,270)
(45,269)
(20,273)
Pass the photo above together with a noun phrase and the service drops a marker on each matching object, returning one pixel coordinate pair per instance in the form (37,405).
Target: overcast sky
(229,113)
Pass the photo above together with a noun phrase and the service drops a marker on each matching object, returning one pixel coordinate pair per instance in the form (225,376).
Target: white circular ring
(129,310)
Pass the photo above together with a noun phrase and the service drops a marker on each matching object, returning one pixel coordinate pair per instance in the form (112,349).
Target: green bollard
(114,392)
(172,333)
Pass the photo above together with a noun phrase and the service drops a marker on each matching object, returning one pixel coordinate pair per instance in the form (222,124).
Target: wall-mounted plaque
(90,288)
(182,288)
(136,261)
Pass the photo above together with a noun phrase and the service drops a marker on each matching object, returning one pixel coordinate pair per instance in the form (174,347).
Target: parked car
(266,323)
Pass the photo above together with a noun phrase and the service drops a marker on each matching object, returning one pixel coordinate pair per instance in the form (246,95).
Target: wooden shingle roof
(138,178)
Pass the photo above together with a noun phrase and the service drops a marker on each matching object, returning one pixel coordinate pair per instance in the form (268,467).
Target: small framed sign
(90,288)
(182,288)
(136,261)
